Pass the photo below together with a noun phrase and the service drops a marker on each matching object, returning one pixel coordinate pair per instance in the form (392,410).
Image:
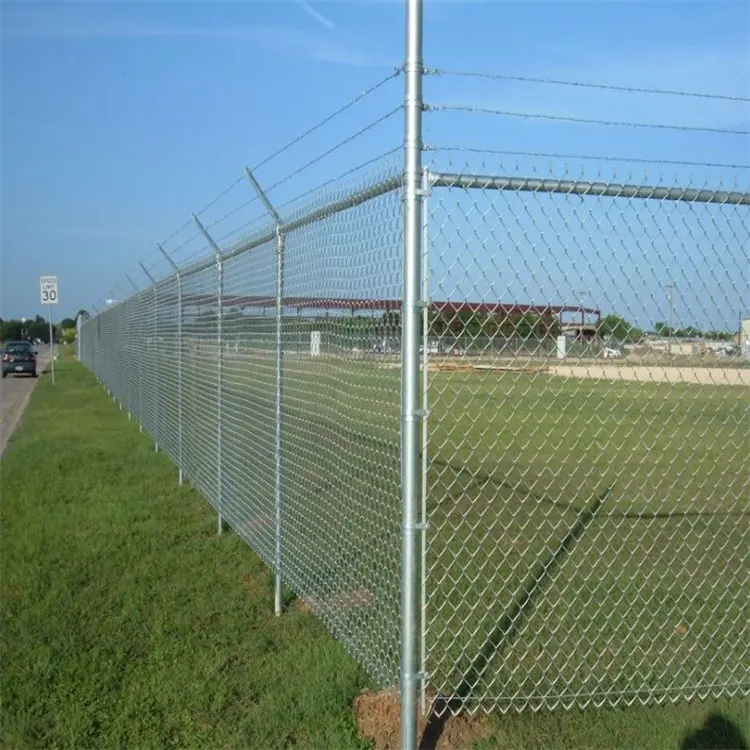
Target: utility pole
(581,299)
(670,294)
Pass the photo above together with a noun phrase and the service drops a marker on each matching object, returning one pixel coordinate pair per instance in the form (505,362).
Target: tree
(67,323)
(688,333)
(38,328)
(616,327)
(662,329)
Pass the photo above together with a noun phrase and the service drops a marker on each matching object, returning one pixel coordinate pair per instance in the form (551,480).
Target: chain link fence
(582,530)
(254,372)
(586,525)
(587,521)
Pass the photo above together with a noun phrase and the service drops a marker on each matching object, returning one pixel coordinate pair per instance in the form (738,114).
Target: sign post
(48,296)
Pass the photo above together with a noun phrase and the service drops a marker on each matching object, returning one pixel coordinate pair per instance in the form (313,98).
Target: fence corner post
(411,413)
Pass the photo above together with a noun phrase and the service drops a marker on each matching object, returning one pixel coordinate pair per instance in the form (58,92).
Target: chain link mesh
(584,484)
(194,360)
(586,487)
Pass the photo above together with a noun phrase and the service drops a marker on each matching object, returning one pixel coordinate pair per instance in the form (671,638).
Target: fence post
(425,437)
(140,380)
(79,328)
(154,350)
(411,414)
(278,500)
(219,338)
(179,360)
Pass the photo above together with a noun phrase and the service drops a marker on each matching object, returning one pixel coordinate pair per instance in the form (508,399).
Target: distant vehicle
(612,351)
(19,358)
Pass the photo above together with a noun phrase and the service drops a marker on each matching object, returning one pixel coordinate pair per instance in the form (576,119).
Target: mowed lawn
(585,538)
(127,621)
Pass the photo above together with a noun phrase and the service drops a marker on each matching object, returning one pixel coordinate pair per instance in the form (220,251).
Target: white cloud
(319,17)
(33,23)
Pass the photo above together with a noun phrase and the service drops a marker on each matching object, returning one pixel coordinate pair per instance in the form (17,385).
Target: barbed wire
(220,196)
(330,117)
(339,145)
(348,105)
(177,231)
(578,120)
(342,176)
(552,155)
(583,84)
(255,198)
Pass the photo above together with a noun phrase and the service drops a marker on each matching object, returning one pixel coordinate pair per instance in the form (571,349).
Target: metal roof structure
(387,305)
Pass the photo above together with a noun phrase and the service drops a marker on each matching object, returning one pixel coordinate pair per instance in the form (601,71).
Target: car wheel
(5,374)
(33,374)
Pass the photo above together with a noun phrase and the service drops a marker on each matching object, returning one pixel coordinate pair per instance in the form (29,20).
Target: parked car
(19,358)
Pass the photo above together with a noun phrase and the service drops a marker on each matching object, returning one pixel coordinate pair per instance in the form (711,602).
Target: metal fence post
(139,381)
(79,331)
(154,350)
(278,582)
(279,365)
(219,338)
(425,438)
(411,414)
(176,270)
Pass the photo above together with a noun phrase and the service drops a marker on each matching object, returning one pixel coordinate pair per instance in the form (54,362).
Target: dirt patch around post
(378,716)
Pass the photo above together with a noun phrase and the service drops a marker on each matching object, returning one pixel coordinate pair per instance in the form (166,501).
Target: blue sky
(120,119)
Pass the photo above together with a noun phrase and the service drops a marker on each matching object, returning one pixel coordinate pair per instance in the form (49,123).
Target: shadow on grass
(717,733)
(482,479)
(504,633)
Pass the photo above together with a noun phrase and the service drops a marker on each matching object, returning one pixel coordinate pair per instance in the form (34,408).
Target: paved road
(14,395)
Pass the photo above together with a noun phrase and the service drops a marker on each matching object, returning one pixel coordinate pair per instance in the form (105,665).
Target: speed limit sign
(48,289)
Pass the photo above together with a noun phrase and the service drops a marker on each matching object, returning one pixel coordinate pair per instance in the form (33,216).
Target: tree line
(37,329)
(527,325)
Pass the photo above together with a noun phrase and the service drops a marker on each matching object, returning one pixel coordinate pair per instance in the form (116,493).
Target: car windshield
(18,348)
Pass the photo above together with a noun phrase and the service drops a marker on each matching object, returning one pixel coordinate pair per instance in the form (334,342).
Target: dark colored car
(19,357)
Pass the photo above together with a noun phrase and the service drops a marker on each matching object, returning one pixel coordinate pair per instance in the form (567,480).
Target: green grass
(646,597)
(127,621)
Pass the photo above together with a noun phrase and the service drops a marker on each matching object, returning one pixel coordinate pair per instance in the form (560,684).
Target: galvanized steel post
(411,413)
(425,438)
(176,270)
(279,364)
(219,339)
(278,582)
(154,349)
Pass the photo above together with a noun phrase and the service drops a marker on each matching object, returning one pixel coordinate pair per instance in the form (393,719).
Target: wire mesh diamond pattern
(586,484)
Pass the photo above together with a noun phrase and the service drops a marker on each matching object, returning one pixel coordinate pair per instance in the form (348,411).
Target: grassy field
(127,620)
(613,512)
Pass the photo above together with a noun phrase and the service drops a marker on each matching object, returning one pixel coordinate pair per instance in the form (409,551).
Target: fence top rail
(383,187)
(584,188)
